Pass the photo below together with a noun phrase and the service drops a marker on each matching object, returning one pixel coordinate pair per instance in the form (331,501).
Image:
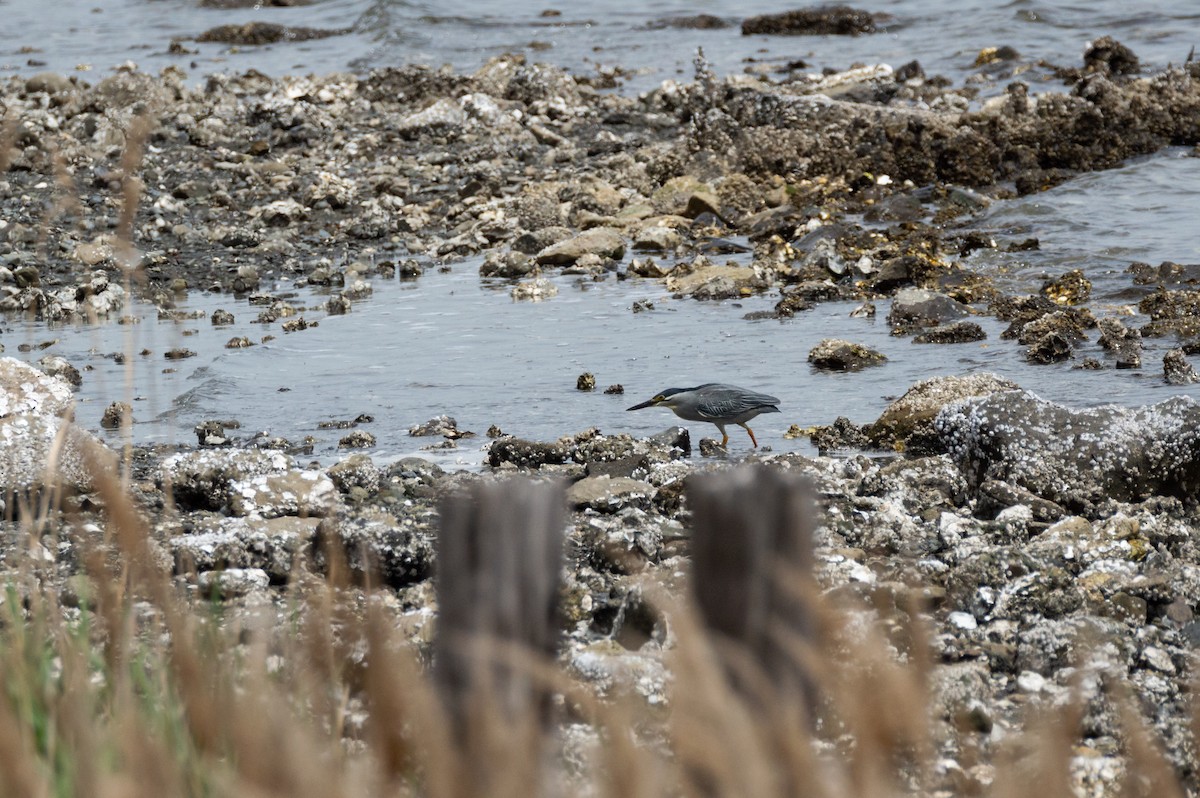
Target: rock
(57,366)
(1176,369)
(1171,312)
(93,254)
(1053,347)
(534,290)
(534,241)
(338,305)
(1069,289)
(356,471)
(233,582)
(841,435)
(648,267)
(526,454)
(271,545)
(612,670)
(695,22)
(586,382)
(958,333)
(604,242)
(1108,56)
(24,389)
(212,433)
(1051,337)
(32,439)
(1123,342)
(627,542)
(280,213)
(917,308)
(506,264)
(1076,458)
(294,492)
(609,494)
(896,208)
(398,551)
(254,34)
(359,439)
(656,238)
(995,496)
(621,467)
(819,21)
(438,425)
(221,318)
(439,117)
(49,82)
(116,414)
(914,412)
(673,438)
(31,450)
(716,283)
(834,354)
(202,480)
(679,193)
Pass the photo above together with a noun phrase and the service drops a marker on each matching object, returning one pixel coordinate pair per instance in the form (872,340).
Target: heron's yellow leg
(752,438)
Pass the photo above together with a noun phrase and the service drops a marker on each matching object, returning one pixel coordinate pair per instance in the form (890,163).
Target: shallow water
(1100,222)
(445,343)
(944,35)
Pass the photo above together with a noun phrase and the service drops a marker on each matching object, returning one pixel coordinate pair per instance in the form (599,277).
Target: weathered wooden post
(752,561)
(500,552)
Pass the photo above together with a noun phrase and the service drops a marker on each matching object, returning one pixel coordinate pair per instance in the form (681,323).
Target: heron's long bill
(647,403)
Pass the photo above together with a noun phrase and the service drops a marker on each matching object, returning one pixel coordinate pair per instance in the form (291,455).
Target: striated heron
(717,403)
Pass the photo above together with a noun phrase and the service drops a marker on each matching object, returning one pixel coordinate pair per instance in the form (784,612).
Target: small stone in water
(359,439)
(586,382)
(115,414)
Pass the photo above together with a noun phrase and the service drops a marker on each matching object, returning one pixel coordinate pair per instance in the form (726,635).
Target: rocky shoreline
(1049,548)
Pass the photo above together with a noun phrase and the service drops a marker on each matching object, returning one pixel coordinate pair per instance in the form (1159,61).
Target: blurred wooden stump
(752,560)
(498,571)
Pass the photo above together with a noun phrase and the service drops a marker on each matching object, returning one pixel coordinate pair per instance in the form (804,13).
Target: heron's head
(666,398)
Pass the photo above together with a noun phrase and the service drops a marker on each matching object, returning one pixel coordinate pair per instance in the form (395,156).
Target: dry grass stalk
(131,185)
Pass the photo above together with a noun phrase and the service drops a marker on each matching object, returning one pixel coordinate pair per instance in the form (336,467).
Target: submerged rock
(260,33)
(834,354)
(819,21)
(116,414)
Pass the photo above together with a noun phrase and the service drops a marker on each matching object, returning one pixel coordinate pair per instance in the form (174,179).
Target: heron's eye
(659,398)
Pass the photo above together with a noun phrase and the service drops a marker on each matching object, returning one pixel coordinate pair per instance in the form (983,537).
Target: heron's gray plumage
(717,403)
(726,402)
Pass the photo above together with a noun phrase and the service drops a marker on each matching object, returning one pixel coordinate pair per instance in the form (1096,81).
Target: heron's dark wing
(718,407)
(726,401)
